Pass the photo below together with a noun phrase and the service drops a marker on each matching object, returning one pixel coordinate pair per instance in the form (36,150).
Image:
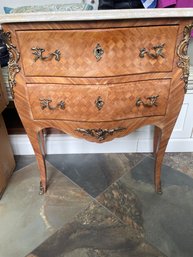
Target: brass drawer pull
(151,101)
(45,103)
(98,52)
(158,49)
(38,52)
(99,103)
(99,134)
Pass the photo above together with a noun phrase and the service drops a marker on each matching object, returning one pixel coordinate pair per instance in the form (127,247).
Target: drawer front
(98,102)
(97,53)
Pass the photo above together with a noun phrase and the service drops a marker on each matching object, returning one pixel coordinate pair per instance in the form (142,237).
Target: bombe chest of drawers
(98,77)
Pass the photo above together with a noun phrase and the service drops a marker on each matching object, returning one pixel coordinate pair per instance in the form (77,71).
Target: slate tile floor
(99,205)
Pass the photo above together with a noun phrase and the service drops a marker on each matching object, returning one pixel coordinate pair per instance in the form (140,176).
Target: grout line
(94,197)
(121,177)
(33,162)
(90,197)
(167,165)
(146,156)
(74,183)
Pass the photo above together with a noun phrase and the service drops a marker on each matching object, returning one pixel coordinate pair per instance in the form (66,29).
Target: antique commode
(99,75)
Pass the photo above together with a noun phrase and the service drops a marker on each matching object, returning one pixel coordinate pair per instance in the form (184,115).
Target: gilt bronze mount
(38,52)
(157,51)
(14,56)
(99,103)
(98,52)
(99,134)
(45,103)
(182,52)
(151,101)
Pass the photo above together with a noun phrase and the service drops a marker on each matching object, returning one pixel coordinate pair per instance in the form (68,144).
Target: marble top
(96,15)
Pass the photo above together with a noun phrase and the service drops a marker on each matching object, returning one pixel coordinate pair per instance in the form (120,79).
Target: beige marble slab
(96,15)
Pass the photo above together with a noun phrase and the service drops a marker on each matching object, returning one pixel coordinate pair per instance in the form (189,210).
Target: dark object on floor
(119,4)
(12,120)
(7,163)
(4,56)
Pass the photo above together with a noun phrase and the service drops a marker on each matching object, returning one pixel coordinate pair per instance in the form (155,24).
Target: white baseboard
(21,145)
(64,144)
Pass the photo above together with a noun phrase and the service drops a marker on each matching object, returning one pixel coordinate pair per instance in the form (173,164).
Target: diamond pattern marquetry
(121,47)
(80,101)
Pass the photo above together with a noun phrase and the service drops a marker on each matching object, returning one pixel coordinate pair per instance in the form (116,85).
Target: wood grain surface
(119,101)
(120,45)
(79,80)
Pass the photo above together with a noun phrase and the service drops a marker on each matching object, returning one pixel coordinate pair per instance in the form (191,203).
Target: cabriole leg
(162,137)
(157,135)
(38,146)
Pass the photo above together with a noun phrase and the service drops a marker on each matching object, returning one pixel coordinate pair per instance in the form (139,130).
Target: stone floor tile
(95,232)
(27,218)
(180,161)
(94,172)
(165,220)
(23,160)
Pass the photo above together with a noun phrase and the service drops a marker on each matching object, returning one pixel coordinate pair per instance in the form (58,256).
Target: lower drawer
(98,102)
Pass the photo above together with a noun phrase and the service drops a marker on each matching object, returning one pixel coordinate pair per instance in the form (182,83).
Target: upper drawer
(99,102)
(119,49)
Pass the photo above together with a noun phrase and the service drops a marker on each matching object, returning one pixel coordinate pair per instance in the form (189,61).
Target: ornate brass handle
(45,103)
(98,52)
(99,103)
(158,51)
(99,134)
(38,52)
(151,101)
